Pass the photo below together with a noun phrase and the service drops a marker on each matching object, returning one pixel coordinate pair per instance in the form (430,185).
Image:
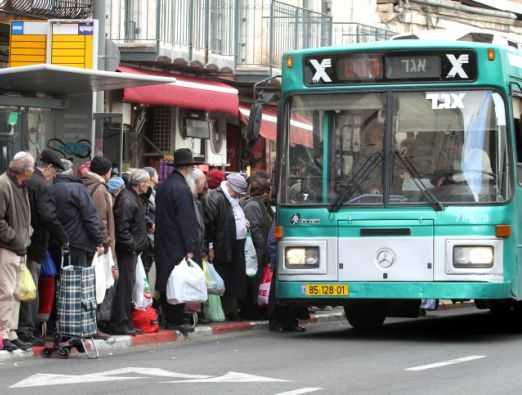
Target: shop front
(195,113)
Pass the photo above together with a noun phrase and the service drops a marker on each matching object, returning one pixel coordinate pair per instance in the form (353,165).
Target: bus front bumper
(320,291)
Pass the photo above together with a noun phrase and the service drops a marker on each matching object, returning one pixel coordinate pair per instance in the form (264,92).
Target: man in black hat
(45,224)
(176,231)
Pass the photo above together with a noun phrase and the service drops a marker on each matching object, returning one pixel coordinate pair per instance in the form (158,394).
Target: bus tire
(365,314)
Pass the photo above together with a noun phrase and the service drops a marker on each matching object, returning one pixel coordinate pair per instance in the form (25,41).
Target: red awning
(186,92)
(301,130)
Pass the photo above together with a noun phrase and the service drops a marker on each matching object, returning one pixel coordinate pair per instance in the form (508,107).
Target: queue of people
(45,209)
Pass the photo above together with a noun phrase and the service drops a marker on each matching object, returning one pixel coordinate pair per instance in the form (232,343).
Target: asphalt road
(450,352)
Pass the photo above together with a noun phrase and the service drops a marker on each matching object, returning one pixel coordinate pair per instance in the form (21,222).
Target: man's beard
(192,184)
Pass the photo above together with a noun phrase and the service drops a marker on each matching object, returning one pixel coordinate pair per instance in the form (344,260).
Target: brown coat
(15,216)
(103,202)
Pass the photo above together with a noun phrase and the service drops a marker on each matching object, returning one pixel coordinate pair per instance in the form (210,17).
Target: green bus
(398,177)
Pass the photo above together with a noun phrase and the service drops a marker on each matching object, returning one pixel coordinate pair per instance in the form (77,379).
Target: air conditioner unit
(216,145)
(181,140)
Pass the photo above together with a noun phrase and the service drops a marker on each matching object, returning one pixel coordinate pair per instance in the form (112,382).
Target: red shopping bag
(146,320)
(264,287)
(47,296)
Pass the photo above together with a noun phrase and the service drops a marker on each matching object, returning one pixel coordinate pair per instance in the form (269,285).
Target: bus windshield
(396,148)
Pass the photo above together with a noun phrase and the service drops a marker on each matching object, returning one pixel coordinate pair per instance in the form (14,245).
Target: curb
(201,332)
(165,336)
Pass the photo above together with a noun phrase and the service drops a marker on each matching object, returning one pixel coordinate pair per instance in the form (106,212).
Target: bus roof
(401,45)
(508,65)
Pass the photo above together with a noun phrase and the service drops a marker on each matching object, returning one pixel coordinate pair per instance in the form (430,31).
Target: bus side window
(517,121)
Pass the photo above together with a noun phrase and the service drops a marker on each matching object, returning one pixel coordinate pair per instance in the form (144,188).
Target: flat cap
(52,158)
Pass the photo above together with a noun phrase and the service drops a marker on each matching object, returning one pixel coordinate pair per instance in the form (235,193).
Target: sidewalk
(169,336)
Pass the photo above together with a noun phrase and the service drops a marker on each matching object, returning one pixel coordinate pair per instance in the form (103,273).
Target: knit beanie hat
(215,177)
(100,165)
(115,184)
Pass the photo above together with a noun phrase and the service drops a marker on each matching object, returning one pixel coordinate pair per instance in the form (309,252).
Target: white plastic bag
(141,295)
(215,284)
(99,274)
(250,257)
(186,284)
(108,265)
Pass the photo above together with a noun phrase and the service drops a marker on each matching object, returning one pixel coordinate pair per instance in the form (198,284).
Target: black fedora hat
(183,157)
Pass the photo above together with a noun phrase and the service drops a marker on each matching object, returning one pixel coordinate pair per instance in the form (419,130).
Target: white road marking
(45,379)
(445,363)
(300,391)
(233,377)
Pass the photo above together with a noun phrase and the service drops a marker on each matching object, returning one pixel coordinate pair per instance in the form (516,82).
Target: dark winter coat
(77,213)
(176,226)
(220,224)
(44,219)
(129,219)
(260,221)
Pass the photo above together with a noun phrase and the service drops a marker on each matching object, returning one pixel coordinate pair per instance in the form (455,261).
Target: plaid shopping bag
(76,308)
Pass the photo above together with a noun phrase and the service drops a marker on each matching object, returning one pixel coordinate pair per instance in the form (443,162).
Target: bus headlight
(301,257)
(473,256)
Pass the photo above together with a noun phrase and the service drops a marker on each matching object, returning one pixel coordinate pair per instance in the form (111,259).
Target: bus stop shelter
(49,106)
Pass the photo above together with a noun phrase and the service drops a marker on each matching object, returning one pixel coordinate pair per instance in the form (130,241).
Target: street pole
(98,98)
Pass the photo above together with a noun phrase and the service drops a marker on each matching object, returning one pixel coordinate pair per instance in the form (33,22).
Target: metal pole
(98,99)
(271,37)
(237,46)
(207,29)
(158,24)
(190,27)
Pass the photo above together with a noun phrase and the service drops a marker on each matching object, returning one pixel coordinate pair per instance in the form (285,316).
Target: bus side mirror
(254,121)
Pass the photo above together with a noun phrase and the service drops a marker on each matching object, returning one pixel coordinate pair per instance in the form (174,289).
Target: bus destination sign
(390,67)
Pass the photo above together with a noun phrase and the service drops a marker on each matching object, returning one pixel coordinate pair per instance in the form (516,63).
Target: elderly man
(176,231)
(131,239)
(15,236)
(45,223)
(226,226)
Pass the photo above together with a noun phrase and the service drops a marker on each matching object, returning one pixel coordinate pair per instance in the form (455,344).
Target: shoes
(21,345)
(7,345)
(102,335)
(297,328)
(33,340)
(183,328)
(233,317)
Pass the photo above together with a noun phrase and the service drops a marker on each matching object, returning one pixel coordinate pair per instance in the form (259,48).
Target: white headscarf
(239,215)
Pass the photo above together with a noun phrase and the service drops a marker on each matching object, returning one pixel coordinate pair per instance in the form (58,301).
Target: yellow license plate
(326,289)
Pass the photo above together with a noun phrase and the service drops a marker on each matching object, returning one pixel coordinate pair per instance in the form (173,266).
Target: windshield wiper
(362,173)
(435,203)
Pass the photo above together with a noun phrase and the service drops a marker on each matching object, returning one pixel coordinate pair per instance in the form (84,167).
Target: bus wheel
(365,314)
